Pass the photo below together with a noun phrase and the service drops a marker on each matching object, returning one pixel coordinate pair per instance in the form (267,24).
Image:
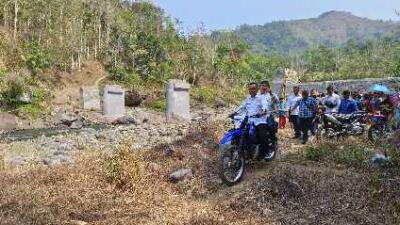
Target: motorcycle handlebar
(232,115)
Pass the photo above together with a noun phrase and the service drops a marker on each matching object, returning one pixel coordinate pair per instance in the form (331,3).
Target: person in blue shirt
(307,110)
(357,98)
(347,105)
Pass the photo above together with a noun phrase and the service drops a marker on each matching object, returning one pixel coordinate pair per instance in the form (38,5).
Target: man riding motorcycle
(259,106)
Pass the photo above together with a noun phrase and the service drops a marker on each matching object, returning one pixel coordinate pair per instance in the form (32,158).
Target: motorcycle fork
(244,148)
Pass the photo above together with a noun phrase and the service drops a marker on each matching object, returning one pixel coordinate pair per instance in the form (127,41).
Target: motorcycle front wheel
(232,166)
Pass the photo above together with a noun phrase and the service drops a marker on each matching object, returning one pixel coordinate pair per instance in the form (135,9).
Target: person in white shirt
(331,101)
(268,97)
(255,106)
(271,101)
(294,111)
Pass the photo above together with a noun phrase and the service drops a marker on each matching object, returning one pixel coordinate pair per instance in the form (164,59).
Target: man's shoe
(303,142)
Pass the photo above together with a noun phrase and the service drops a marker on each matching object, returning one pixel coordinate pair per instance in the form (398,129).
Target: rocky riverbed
(149,130)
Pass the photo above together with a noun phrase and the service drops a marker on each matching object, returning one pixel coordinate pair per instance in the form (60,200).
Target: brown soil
(90,74)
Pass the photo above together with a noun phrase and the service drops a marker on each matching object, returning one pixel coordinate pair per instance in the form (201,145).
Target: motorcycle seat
(344,117)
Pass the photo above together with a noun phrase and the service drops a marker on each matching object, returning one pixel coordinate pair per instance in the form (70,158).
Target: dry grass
(121,189)
(131,186)
(127,187)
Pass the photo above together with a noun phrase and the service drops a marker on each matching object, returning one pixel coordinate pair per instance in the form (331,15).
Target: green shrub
(36,59)
(354,155)
(123,168)
(117,73)
(205,95)
(316,153)
(3,73)
(11,93)
(208,94)
(30,110)
(160,105)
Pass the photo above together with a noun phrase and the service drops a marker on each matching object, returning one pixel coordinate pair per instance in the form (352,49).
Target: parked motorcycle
(239,146)
(379,129)
(337,125)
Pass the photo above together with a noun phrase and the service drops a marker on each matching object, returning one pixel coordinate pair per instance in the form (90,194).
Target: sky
(228,14)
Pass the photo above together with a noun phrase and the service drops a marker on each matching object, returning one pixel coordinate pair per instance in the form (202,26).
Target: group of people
(302,106)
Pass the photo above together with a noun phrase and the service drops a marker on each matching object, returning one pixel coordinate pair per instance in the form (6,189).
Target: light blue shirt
(269,101)
(253,106)
(292,100)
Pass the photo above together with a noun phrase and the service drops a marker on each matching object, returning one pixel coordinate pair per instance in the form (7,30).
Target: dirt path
(68,92)
(292,190)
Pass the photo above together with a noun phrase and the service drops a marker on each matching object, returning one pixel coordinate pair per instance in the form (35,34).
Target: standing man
(255,106)
(294,111)
(331,100)
(307,109)
(347,105)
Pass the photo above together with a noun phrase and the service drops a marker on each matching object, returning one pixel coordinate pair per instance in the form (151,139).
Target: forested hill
(332,29)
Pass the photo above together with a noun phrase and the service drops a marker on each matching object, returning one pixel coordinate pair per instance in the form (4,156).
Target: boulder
(78,124)
(180,175)
(68,118)
(133,99)
(169,150)
(25,98)
(78,222)
(8,122)
(125,120)
(220,103)
(379,160)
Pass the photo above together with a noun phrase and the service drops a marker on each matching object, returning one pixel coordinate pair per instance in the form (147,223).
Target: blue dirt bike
(239,146)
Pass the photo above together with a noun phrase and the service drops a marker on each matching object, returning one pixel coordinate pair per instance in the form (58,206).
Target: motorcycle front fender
(229,137)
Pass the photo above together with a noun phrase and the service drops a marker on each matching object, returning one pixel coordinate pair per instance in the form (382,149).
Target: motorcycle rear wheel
(321,135)
(272,153)
(232,165)
(376,133)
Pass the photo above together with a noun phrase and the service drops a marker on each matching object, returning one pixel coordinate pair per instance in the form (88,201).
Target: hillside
(333,28)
